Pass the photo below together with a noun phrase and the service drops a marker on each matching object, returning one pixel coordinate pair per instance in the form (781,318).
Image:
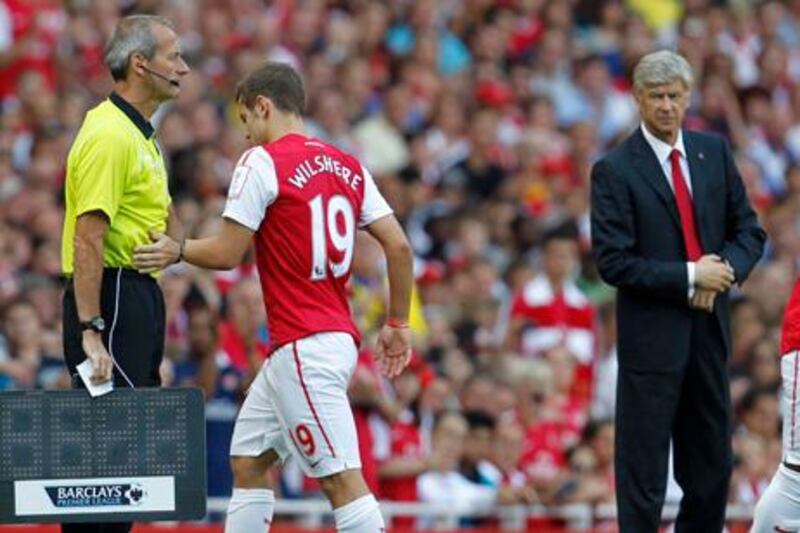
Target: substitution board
(131,455)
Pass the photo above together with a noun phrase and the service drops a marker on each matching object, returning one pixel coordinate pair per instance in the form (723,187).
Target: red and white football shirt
(41,22)
(790,330)
(304,199)
(556,318)
(405,442)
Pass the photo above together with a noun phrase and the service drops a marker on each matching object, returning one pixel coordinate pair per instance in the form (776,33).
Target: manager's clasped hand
(161,253)
(713,275)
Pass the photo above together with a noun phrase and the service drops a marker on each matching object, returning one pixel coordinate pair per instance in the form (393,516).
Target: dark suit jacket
(638,245)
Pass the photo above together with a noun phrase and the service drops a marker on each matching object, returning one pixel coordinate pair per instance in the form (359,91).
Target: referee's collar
(137,118)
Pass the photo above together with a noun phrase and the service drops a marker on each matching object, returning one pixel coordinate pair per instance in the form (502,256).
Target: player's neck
(286,125)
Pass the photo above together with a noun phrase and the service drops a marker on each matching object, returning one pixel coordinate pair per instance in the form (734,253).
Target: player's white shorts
(790,406)
(778,510)
(298,404)
(779,506)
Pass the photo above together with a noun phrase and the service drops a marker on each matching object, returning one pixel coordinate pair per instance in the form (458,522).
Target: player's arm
(393,350)
(379,221)
(399,262)
(253,188)
(175,227)
(394,341)
(222,251)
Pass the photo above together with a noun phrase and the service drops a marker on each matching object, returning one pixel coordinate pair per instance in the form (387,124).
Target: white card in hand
(85,370)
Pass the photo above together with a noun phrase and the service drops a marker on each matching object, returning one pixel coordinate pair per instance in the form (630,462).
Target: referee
(116,192)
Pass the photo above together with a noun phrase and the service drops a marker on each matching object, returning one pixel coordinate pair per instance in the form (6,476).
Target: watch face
(98,324)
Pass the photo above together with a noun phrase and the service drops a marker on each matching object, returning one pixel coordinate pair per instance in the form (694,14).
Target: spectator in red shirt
(551,311)
(547,438)
(29,32)
(504,468)
(568,402)
(407,458)
(593,464)
(241,331)
(373,408)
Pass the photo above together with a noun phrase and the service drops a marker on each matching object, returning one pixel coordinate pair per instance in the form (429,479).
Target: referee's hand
(94,349)
(161,253)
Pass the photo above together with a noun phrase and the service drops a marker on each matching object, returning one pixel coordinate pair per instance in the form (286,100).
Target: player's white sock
(359,516)
(250,511)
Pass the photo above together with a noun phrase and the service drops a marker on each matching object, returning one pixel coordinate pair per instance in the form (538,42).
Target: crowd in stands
(480,120)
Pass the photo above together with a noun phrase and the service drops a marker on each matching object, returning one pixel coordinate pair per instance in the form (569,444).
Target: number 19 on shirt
(324,220)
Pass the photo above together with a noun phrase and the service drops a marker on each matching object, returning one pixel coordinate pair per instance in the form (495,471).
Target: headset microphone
(159,75)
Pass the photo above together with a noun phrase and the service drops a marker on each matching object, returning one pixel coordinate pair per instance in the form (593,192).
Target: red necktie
(690,236)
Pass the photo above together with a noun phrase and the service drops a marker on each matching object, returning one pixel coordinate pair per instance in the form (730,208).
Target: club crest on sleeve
(240,176)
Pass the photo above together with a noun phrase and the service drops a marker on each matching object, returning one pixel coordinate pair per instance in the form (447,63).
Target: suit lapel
(646,163)
(697,168)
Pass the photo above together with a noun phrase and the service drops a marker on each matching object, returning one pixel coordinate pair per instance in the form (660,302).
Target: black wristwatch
(95,323)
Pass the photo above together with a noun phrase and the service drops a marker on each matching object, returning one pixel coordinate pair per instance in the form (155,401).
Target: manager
(672,229)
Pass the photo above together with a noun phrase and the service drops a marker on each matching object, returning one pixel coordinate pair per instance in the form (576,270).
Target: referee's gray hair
(133,34)
(659,68)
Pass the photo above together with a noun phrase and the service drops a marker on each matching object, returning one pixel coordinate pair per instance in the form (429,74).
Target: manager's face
(662,108)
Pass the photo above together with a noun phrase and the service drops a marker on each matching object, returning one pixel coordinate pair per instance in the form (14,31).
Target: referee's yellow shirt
(115,166)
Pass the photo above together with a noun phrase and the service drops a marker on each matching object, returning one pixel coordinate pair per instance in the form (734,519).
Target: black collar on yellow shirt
(132,113)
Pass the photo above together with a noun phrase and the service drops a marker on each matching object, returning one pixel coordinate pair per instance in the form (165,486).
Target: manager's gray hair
(659,68)
(133,34)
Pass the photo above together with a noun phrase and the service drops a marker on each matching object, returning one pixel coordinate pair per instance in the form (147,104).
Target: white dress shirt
(662,151)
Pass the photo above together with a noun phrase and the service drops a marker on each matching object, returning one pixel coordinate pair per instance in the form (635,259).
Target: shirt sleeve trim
(243,220)
(95,207)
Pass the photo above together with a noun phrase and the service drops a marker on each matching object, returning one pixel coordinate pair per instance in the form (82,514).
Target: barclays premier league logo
(135,494)
(97,495)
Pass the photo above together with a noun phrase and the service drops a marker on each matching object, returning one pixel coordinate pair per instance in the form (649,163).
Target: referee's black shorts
(132,306)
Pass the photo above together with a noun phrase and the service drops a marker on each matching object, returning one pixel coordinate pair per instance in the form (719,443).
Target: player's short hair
(133,34)
(277,81)
(659,68)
